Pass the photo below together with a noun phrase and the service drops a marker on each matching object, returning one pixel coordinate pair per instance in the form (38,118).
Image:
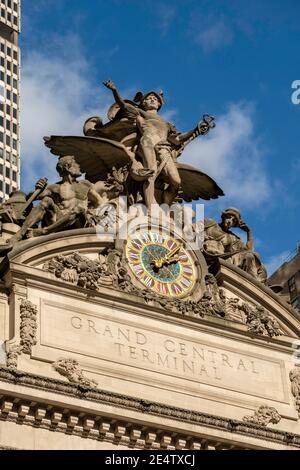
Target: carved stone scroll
(70,369)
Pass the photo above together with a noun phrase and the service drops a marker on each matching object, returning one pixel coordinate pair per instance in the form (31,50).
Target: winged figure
(139,139)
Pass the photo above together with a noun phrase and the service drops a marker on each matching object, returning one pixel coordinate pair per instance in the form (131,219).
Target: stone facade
(101,366)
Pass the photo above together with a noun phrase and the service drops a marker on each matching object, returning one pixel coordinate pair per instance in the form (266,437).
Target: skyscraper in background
(9,97)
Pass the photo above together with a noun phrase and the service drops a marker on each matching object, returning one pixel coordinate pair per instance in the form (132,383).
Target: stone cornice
(235,427)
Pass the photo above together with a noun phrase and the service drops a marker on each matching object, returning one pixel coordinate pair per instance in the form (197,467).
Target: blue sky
(233,59)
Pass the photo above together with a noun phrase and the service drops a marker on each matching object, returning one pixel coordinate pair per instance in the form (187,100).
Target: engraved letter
(162,362)
(92,326)
(253,368)
(120,346)
(76,322)
(132,352)
(182,349)
(241,364)
(169,344)
(225,360)
(146,355)
(140,338)
(107,330)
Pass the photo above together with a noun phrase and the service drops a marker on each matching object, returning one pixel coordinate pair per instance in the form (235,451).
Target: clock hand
(167,259)
(173,252)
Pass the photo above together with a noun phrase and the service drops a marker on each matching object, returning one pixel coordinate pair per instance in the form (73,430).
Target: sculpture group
(135,155)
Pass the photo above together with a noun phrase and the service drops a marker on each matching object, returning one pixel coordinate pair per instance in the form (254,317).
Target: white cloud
(166,14)
(233,156)
(211,33)
(275,261)
(57,97)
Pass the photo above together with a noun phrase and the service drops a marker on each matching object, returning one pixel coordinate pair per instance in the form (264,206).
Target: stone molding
(263,416)
(100,428)
(95,395)
(70,369)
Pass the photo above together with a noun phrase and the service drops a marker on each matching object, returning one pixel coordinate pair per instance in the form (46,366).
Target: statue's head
(231,217)
(150,100)
(68,166)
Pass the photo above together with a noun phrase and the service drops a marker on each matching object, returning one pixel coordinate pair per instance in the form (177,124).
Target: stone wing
(96,156)
(197,185)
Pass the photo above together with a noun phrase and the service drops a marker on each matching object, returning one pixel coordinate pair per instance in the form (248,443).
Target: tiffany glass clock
(161,263)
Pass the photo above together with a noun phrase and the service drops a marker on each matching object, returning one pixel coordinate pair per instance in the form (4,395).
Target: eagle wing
(197,185)
(96,156)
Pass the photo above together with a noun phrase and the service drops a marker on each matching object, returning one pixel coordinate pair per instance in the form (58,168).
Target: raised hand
(41,183)
(243,226)
(110,85)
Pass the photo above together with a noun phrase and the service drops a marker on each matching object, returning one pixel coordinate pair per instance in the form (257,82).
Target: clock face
(161,263)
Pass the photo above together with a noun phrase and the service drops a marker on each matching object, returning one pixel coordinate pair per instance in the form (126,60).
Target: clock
(161,263)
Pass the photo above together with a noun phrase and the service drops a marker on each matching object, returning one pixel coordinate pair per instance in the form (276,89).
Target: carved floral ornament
(110,270)
(263,416)
(28,329)
(295,385)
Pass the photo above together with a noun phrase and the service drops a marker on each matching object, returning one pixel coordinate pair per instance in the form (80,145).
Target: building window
(14,176)
(7,188)
(292,285)
(295,303)
(7,172)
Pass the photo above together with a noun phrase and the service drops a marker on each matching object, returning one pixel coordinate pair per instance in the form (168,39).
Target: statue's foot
(141,174)
(35,232)
(6,248)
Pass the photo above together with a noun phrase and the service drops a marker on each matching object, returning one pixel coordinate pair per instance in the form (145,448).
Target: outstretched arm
(111,86)
(202,128)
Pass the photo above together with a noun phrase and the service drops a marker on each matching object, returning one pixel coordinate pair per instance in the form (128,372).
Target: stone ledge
(25,413)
